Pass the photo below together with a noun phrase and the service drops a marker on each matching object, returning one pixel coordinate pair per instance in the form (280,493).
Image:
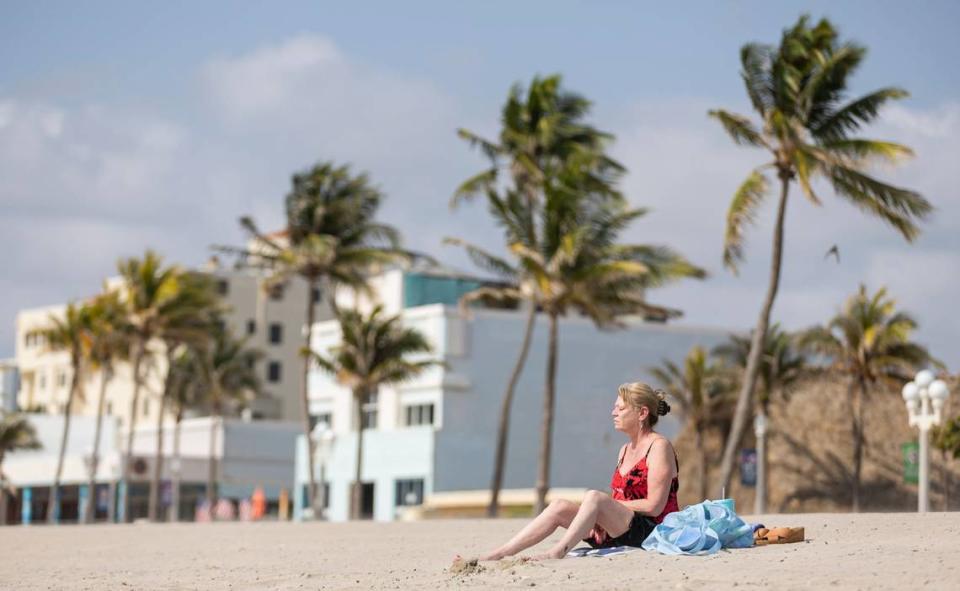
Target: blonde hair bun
(639,395)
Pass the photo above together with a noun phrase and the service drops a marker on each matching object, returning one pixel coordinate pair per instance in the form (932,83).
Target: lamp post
(323,435)
(924,397)
(760,430)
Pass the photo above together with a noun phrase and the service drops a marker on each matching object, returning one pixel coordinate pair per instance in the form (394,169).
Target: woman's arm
(660,467)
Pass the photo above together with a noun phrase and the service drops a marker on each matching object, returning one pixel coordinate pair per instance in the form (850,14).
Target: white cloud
(322,105)
(267,80)
(84,185)
(937,123)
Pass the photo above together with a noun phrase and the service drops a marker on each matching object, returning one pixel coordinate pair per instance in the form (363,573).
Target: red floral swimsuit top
(633,486)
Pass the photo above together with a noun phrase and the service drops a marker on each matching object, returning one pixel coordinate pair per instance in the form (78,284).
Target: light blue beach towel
(599,552)
(700,529)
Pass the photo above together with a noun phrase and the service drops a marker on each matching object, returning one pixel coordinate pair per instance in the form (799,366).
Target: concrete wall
(591,364)
(248,453)
(37,467)
(479,351)
(388,456)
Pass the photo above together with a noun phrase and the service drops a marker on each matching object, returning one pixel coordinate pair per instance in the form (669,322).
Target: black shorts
(640,527)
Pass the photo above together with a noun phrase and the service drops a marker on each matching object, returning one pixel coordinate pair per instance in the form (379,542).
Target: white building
(9,384)
(434,437)
(271,321)
(247,455)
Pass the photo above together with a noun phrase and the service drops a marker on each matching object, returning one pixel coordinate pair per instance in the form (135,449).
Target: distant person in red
(643,488)
(259,504)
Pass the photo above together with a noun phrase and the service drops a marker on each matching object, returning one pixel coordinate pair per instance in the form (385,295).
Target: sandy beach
(866,551)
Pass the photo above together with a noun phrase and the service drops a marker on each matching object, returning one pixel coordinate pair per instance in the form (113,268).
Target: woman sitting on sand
(644,487)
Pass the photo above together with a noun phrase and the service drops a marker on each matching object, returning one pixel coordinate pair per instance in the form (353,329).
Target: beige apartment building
(271,320)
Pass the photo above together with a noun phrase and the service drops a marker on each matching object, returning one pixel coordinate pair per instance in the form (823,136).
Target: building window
(418,414)
(276,292)
(251,326)
(369,410)
(274,371)
(109,408)
(408,492)
(42,381)
(315,295)
(223,287)
(61,379)
(276,333)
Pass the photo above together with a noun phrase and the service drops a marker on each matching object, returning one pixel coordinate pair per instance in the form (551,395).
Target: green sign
(911,462)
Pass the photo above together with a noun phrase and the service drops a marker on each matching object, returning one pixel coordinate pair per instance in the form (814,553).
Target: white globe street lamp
(324,437)
(924,397)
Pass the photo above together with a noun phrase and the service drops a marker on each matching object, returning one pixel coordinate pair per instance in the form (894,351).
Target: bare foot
(495,555)
(553,554)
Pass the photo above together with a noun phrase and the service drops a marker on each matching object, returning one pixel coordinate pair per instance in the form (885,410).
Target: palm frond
(739,128)
(855,114)
(743,211)
(484,259)
(901,208)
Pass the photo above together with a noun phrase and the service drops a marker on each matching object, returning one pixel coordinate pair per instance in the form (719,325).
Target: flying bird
(833,251)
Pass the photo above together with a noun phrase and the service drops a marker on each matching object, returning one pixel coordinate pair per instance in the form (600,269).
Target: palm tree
(373,351)
(540,131)
(781,367)
(229,375)
(577,263)
(331,240)
(109,341)
(15,433)
(190,319)
(148,292)
(698,387)
(867,343)
(799,90)
(946,438)
(70,333)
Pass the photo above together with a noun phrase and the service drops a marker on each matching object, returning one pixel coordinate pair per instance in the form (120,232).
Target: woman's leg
(559,513)
(597,509)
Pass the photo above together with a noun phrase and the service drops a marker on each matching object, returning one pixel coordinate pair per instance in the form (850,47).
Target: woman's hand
(598,535)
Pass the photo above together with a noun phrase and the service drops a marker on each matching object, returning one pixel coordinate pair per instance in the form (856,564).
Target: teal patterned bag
(700,529)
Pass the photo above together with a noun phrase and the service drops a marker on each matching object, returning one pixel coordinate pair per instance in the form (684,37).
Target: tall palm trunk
(90,512)
(546,429)
(173,512)
(305,401)
(360,394)
(503,427)
(212,460)
(859,388)
(154,503)
(53,509)
(702,452)
(138,353)
(756,345)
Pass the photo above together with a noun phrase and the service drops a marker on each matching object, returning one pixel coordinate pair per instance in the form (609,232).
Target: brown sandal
(778,535)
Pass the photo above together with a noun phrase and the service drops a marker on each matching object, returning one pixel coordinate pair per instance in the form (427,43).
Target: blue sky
(117,118)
